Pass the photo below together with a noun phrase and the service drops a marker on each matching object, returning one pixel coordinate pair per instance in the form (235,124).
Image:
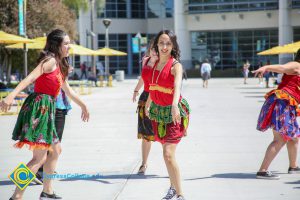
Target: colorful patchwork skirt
(279,113)
(145,130)
(165,131)
(35,125)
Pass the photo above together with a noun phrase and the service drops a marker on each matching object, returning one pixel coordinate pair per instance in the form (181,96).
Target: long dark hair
(175,53)
(53,50)
(297,57)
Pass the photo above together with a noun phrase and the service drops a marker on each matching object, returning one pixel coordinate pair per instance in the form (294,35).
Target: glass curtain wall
(215,6)
(117,42)
(229,49)
(160,8)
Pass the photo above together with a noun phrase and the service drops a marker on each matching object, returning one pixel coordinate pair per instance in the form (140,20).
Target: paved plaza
(218,159)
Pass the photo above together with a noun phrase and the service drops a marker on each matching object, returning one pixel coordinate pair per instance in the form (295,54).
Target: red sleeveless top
(49,83)
(291,84)
(162,85)
(146,75)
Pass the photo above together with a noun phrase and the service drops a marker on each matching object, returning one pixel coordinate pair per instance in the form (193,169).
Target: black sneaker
(38,179)
(45,196)
(267,175)
(293,170)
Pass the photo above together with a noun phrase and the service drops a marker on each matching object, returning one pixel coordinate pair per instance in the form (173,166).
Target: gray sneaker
(171,194)
(267,175)
(180,197)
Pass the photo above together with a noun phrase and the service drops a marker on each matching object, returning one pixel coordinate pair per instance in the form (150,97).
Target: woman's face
(165,45)
(65,46)
(153,52)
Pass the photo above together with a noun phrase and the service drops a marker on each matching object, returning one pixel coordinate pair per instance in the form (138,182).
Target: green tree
(41,17)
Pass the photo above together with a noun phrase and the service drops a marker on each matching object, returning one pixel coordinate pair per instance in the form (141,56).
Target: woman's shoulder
(48,65)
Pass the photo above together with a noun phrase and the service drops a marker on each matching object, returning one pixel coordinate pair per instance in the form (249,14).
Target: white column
(183,36)
(285,29)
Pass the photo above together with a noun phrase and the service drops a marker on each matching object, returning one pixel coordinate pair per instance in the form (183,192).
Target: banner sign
(21,17)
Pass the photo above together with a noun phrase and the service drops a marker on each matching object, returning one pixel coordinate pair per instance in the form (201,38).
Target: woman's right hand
(259,71)
(135,94)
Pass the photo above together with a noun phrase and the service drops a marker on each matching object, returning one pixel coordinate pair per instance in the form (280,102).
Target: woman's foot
(45,196)
(170,194)
(294,170)
(142,169)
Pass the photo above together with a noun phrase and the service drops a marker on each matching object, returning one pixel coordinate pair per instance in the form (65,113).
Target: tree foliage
(42,16)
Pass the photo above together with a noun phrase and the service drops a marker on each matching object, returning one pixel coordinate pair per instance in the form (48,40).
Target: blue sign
(135,45)
(21,17)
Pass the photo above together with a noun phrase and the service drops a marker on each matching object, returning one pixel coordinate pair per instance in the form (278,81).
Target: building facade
(227,32)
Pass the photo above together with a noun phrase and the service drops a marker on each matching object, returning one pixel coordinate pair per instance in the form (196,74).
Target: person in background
(83,69)
(145,131)
(246,67)
(205,72)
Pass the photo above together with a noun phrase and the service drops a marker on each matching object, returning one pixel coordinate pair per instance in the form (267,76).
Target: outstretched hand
(259,71)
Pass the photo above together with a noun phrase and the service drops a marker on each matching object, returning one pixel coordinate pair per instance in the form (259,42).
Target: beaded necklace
(159,71)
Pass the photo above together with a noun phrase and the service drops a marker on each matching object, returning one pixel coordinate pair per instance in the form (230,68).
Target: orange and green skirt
(35,126)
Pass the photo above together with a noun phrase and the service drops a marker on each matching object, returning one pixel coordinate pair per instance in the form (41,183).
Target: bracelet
(136,91)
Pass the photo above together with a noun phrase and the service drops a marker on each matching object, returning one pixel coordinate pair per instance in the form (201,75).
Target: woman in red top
(35,126)
(145,131)
(168,111)
(279,113)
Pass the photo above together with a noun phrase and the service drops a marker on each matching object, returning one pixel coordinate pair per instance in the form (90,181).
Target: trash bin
(120,75)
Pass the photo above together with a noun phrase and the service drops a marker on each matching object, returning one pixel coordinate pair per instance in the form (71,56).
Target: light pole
(92,4)
(106,23)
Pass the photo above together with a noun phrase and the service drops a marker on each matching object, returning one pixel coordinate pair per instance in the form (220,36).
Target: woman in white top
(205,72)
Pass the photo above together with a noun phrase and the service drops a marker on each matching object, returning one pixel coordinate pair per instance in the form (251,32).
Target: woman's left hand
(85,115)
(176,114)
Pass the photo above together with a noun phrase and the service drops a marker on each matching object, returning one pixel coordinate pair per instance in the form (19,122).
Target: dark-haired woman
(145,131)
(168,111)
(35,126)
(279,113)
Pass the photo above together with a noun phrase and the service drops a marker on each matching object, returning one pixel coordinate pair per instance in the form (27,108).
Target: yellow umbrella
(40,42)
(109,52)
(80,50)
(37,44)
(289,48)
(272,51)
(10,38)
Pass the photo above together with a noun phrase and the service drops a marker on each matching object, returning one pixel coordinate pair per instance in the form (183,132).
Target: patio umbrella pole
(25,60)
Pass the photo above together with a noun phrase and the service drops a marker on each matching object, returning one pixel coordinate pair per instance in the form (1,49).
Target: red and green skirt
(145,130)
(165,131)
(35,126)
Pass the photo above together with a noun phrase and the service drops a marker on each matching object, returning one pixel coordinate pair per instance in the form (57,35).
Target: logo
(22,176)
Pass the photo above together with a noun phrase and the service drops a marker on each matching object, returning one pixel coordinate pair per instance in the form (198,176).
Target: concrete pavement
(218,159)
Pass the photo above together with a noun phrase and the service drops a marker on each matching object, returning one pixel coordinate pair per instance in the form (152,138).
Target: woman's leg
(50,166)
(146,146)
(292,147)
(272,151)
(38,159)
(172,167)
